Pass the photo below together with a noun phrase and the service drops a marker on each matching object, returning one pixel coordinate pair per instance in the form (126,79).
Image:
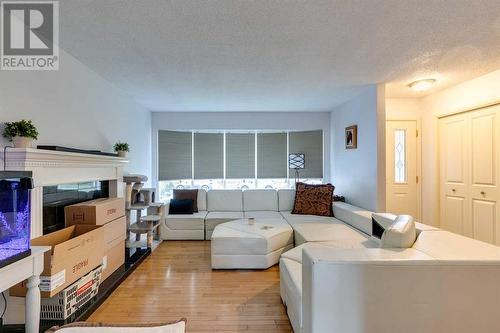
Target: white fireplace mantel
(57,167)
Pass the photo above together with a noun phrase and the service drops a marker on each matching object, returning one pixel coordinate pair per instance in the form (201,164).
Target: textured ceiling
(277,55)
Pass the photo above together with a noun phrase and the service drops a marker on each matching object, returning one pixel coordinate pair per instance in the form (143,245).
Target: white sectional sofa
(219,206)
(443,283)
(337,279)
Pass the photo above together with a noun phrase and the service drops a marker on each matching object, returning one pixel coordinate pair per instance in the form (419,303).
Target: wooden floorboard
(176,281)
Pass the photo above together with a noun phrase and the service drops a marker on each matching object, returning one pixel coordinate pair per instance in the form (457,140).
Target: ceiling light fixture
(422,85)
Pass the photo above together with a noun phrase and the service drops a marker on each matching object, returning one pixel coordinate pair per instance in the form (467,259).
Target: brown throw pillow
(313,199)
(187,194)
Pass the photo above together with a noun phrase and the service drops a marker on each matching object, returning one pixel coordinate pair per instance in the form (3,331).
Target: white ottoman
(236,244)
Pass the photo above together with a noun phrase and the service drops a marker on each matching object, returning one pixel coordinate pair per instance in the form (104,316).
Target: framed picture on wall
(351,137)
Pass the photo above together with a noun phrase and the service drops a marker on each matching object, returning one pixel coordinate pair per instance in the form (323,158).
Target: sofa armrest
(397,290)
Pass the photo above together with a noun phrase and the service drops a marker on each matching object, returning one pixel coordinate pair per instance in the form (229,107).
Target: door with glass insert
(401,168)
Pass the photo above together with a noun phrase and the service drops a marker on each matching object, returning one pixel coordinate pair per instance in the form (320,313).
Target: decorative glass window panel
(399,156)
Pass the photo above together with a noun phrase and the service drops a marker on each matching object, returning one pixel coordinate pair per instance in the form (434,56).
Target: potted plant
(21,133)
(122,148)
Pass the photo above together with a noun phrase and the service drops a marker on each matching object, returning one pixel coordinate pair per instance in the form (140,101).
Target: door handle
(483,193)
(453,190)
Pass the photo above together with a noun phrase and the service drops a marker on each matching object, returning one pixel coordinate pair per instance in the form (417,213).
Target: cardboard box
(113,259)
(95,212)
(76,251)
(114,232)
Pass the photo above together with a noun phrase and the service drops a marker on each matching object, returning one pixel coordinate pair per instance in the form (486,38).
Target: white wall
(403,109)
(359,174)
(243,121)
(75,107)
(469,95)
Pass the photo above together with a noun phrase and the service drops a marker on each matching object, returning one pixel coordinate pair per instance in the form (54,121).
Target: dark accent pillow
(313,199)
(178,207)
(188,194)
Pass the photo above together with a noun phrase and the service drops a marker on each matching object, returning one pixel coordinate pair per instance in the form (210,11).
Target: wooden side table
(28,268)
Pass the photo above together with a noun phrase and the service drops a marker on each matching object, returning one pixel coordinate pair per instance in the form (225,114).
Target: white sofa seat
(311,228)
(215,218)
(237,244)
(445,245)
(291,290)
(295,254)
(322,232)
(294,219)
(195,221)
(186,227)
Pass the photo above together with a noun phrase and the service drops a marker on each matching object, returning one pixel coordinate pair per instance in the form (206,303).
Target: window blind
(309,143)
(240,155)
(174,155)
(208,155)
(271,155)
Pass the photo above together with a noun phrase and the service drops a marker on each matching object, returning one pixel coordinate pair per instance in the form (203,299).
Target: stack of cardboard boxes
(94,236)
(110,214)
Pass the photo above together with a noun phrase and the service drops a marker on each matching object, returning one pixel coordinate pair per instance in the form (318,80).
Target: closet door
(454,174)
(469,170)
(484,192)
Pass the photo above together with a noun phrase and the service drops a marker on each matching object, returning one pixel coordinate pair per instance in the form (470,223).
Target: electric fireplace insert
(15,210)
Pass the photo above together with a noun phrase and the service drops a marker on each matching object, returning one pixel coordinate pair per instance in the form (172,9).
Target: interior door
(401,168)
(484,190)
(454,174)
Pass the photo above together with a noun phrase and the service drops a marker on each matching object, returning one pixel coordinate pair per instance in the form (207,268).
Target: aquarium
(15,209)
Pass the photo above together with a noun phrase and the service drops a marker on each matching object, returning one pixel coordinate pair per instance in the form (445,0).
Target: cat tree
(139,199)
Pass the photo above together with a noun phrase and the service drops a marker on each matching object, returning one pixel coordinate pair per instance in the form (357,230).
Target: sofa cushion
(225,201)
(183,194)
(313,199)
(260,200)
(400,234)
(291,280)
(263,215)
(286,198)
(444,245)
(295,254)
(214,218)
(359,218)
(293,219)
(202,200)
(195,221)
(333,231)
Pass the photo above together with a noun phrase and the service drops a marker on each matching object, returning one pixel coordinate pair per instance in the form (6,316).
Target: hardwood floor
(176,281)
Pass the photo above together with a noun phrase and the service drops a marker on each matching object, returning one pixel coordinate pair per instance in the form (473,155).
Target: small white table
(28,268)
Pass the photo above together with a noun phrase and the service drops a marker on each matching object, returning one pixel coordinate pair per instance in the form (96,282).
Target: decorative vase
(22,142)
(122,153)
